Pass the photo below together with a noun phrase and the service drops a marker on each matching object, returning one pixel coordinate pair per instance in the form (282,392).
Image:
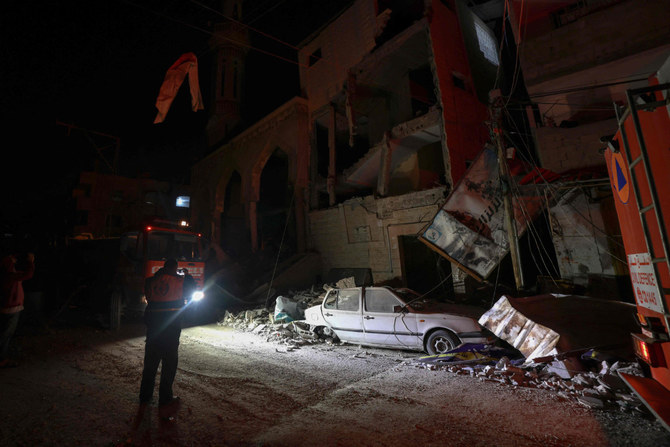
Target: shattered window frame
(344,300)
(330,302)
(381,301)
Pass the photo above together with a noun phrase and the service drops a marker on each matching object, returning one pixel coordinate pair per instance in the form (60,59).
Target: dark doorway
(424,270)
(234,235)
(276,220)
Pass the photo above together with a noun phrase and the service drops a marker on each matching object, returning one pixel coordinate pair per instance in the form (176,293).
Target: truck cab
(144,251)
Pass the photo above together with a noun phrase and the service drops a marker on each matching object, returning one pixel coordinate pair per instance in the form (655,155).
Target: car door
(342,312)
(383,326)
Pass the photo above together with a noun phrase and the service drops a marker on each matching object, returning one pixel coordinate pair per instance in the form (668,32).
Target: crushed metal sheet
(551,325)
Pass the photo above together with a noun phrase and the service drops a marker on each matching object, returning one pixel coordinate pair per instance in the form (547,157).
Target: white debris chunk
(600,388)
(263,322)
(592,402)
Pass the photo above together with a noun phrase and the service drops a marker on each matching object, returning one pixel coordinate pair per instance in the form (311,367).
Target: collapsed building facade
(393,111)
(389,118)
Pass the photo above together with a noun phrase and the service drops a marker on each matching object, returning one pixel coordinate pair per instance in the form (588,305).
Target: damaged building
(393,111)
(426,151)
(577,60)
(389,118)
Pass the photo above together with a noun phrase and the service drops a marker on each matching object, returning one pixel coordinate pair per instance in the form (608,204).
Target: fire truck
(638,161)
(143,252)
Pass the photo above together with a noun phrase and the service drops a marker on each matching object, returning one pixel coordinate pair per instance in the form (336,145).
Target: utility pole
(113,166)
(495,99)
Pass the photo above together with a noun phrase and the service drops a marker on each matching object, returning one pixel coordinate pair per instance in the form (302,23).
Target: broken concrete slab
(355,277)
(563,327)
(597,389)
(263,322)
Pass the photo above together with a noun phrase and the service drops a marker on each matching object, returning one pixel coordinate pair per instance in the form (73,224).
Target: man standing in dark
(11,301)
(165,300)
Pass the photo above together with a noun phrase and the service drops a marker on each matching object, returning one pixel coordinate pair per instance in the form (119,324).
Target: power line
(582,88)
(247,26)
(262,13)
(210,33)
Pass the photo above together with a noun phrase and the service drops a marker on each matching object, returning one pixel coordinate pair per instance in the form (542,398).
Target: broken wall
(562,149)
(363,232)
(464,115)
(326,58)
(577,59)
(574,41)
(584,243)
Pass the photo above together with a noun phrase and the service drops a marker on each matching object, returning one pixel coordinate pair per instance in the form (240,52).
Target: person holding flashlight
(162,316)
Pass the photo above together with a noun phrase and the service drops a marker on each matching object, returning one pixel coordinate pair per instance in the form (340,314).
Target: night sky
(98,65)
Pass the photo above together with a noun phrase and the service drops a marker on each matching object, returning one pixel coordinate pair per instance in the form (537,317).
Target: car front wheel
(441,341)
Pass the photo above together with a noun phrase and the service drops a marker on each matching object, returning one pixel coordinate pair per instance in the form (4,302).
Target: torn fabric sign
(187,64)
(469,228)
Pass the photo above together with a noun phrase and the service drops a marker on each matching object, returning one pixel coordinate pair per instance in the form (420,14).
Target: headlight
(197,296)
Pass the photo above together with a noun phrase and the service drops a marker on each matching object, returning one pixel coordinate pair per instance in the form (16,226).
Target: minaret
(229,43)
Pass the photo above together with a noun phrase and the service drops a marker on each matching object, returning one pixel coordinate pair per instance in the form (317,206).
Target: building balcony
(601,36)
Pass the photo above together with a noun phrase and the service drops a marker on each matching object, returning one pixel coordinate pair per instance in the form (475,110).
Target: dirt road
(79,386)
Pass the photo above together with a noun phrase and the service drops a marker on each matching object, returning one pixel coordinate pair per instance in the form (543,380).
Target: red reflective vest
(166,288)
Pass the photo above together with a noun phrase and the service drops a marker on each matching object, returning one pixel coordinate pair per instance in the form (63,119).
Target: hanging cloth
(187,64)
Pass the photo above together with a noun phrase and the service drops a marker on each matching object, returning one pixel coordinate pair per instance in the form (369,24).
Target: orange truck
(144,251)
(638,160)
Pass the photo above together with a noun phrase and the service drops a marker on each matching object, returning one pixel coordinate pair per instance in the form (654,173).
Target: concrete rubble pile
(599,387)
(282,325)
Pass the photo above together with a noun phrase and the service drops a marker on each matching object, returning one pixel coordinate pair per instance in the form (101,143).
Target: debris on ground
(593,383)
(282,324)
(598,386)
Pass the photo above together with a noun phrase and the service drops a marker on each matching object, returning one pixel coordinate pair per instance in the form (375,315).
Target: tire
(325,331)
(441,341)
(115,303)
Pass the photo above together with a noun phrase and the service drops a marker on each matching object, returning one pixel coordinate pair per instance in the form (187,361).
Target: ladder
(645,99)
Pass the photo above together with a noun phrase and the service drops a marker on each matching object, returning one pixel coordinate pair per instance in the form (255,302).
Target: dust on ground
(78,385)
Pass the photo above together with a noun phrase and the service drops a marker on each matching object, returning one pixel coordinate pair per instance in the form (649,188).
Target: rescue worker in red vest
(11,301)
(165,300)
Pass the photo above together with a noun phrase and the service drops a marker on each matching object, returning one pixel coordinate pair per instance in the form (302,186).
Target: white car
(396,318)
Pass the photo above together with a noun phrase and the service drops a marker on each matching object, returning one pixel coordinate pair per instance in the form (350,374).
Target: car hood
(429,307)
(313,316)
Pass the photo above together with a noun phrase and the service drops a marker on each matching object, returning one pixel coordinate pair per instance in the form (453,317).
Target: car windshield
(406,295)
(164,245)
(410,296)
